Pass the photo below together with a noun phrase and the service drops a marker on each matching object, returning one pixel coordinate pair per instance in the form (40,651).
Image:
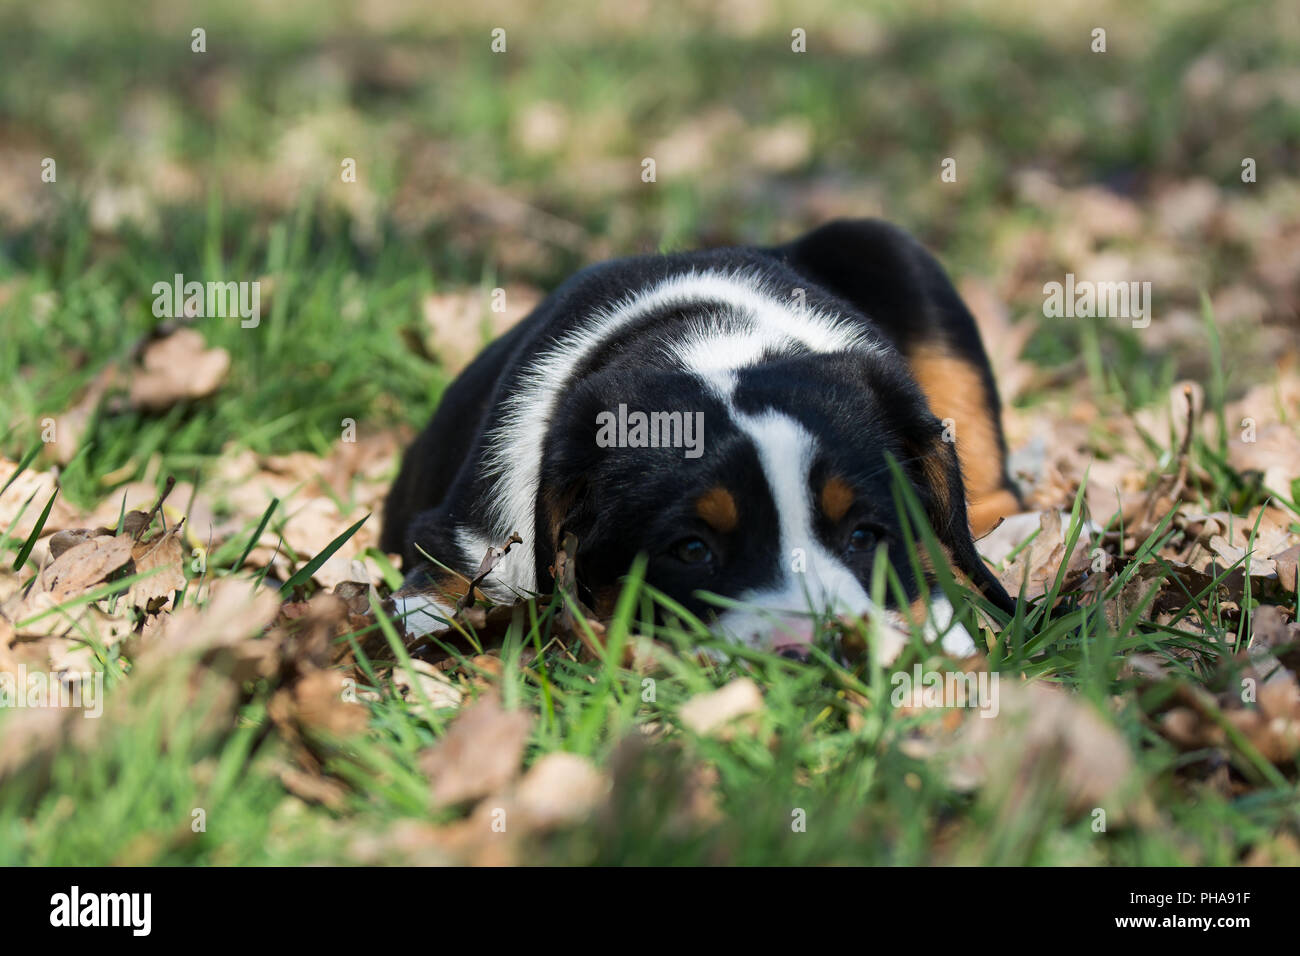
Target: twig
(148,520)
(490,561)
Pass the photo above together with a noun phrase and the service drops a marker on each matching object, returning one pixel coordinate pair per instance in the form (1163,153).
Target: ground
(386,178)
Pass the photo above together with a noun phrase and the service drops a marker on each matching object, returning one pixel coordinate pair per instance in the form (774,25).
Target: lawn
(259,703)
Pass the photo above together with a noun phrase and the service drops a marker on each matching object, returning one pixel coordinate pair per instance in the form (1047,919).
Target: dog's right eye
(692,551)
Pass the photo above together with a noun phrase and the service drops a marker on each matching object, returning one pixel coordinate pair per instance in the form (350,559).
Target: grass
(342,305)
(866,797)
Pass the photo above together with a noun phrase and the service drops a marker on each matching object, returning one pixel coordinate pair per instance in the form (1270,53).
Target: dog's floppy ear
(946,511)
(935,469)
(569,457)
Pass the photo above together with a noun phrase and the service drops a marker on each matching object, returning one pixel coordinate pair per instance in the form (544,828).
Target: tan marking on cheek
(955,389)
(836,498)
(717,508)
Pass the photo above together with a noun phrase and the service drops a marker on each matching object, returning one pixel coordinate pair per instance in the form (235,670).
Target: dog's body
(772,381)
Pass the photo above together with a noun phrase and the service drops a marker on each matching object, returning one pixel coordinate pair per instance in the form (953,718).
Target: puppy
(726,413)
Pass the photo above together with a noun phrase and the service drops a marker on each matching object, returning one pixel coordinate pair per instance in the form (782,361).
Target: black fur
(619,502)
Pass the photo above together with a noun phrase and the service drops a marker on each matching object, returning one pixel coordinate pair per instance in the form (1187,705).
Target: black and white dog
(726,413)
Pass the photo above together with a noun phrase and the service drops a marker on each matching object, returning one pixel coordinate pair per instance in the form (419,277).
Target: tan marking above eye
(836,498)
(717,508)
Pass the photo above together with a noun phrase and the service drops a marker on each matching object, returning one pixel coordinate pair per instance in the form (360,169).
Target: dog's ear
(570,457)
(935,470)
(944,499)
(929,459)
(562,499)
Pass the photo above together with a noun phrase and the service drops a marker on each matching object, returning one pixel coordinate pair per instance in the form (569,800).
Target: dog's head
(770,486)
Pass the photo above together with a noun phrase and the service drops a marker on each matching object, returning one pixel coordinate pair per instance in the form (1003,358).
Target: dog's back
(850,309)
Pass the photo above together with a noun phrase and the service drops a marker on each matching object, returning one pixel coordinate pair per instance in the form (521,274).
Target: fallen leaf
(479,755)
(458,324)
(177,368)
(435,687)
(707,713)
(36,486)
(232,613)
(1040,734)
(560,789)
(82,567)
(1285,562)
(320,703)
(164,555)
(314,788)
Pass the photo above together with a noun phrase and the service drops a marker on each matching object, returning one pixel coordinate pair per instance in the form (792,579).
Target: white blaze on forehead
(760,320)
(825,583)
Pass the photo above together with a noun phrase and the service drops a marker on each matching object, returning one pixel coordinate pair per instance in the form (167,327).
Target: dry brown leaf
(311,527)
(70,426)
(491,559)
(1285,562)
(30,731)
(1275,452)
(560,789)
(1042,733)
(403,843)
(1009,533)
(459,323)
(62,541)
(232,613)
(320,703)
(708,713)
(435,687)
(313,787)
(82,567)
(479,755)
(165,555)
(1273,725)
(8,662)
(782,147)
(38,486)
(1273,632)
(1037,564)
(1115,486)
(694,144)
(1281,849)
(178,368)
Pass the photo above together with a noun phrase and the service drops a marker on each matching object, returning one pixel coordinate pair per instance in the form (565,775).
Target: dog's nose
(792,638)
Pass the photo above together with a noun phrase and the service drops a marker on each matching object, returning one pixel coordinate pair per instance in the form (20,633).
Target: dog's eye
(692,551)
(862,539)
